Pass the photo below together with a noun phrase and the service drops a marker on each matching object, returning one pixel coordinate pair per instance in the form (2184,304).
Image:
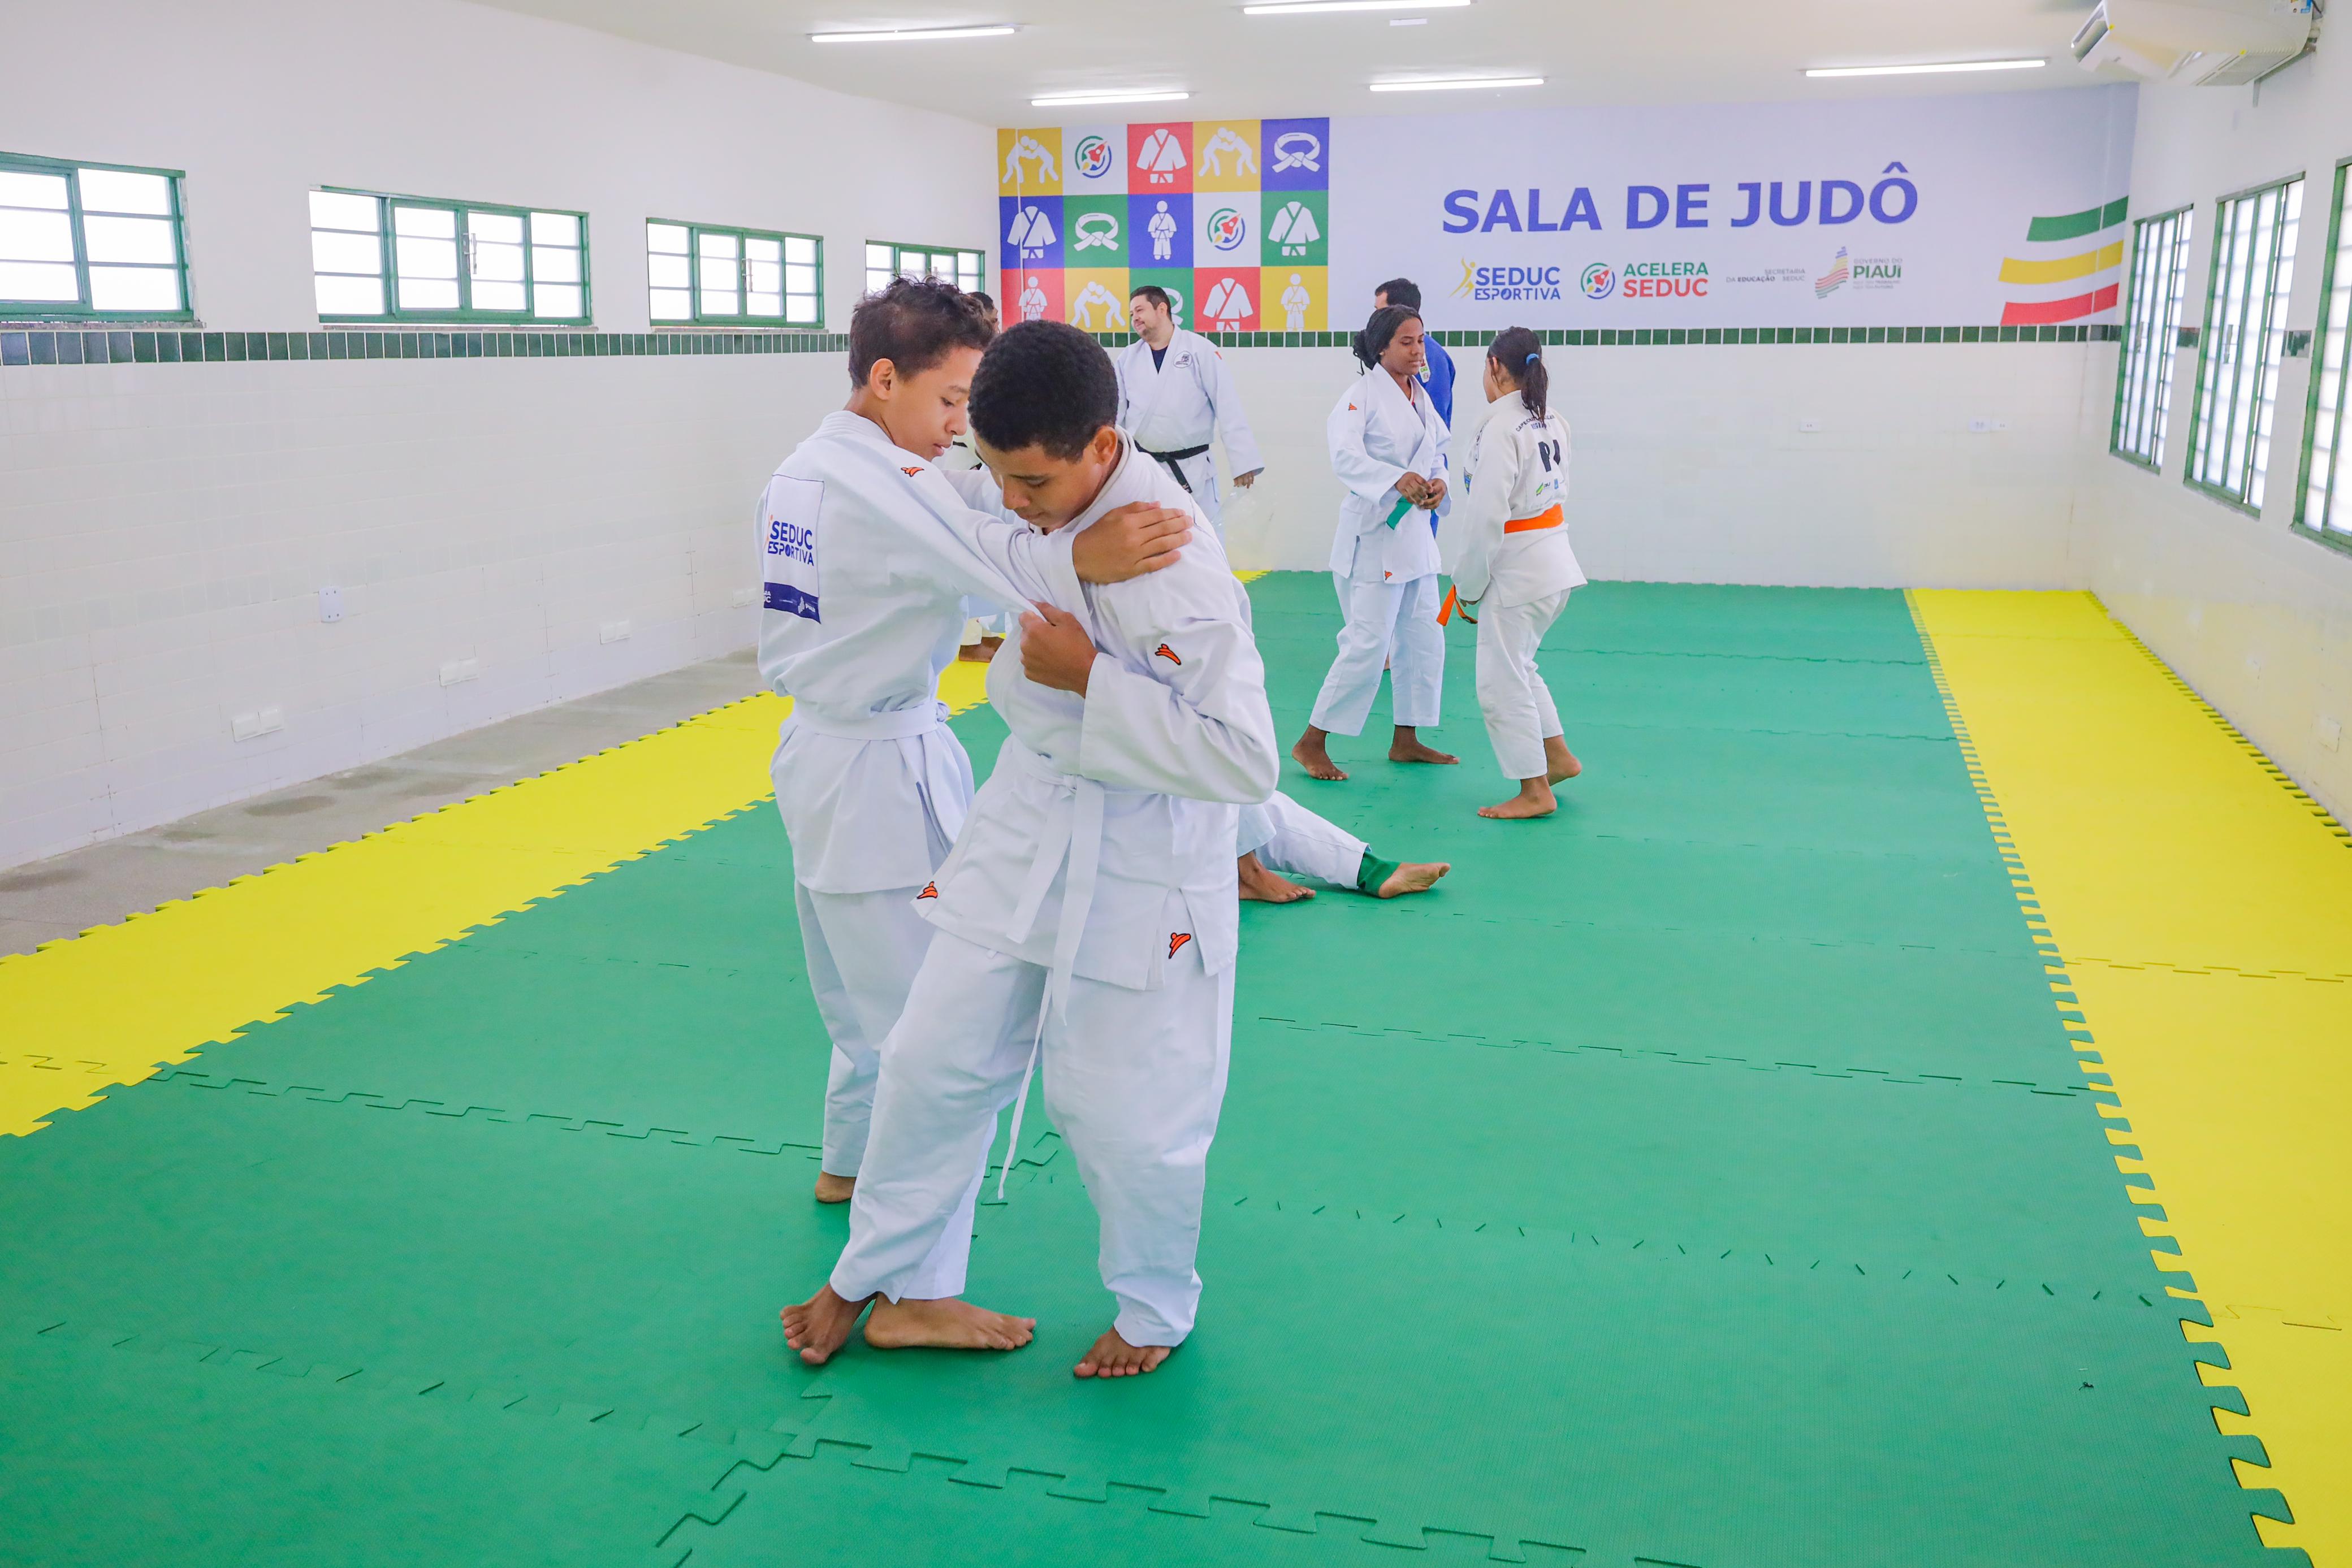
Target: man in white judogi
(1175,393)
(866,594)
(1086,916)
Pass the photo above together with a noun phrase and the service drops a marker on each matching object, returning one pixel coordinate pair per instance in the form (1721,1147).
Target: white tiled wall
(2256,618)
(165,530)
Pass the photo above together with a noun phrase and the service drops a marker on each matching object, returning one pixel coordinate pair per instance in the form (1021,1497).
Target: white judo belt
(1174,461)
(942,781)
(1073,837)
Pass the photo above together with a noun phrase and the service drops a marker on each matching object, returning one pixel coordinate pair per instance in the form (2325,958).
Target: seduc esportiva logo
(1508,282)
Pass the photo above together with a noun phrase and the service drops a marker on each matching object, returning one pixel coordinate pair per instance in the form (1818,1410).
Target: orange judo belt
(1544,520)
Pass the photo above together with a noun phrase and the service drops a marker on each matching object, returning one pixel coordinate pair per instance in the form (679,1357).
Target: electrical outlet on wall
(330,604)
(612,632)
(1985,425)
(1809,426)
(260,722)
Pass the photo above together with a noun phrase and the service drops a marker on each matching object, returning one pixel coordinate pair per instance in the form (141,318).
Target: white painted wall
(2256,618)
(164,529)
(1691,465)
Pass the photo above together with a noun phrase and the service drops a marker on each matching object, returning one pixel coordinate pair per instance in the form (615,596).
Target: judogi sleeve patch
(1176,940)
(1167,653)
(791,569)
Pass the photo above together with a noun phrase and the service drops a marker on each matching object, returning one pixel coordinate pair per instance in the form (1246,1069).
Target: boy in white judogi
(1389,449)
(870,558)
(1508,555)
(1175,392)
(1086,916)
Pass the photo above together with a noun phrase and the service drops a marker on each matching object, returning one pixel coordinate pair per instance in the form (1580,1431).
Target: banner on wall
(1977,209)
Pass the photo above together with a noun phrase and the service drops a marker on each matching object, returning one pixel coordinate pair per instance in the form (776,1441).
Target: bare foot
(1310,753)
(1407,748)
(1559,763)
(1534,800)
(1266,885)
(944,1324)
(1414,876)
(981,652)
(830,1188)
(820,1325)
(1114,1358)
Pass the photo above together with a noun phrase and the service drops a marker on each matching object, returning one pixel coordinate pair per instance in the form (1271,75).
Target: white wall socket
(745,598)
(1809,426)
(458,670)
(330,604)
(612,632)
(1984,426)
(260,722)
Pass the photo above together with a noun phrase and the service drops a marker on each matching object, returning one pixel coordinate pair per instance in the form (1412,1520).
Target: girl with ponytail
(1507,549)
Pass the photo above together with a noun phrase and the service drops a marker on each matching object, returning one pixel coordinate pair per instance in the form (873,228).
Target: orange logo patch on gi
(1167,653)
(1177,939)
(1386,575)
(930,890)
(911,473)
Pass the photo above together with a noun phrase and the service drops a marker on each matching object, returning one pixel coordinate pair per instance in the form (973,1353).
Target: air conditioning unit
(2197,43)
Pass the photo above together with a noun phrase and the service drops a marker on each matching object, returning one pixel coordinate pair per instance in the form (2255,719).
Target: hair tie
(1531,359)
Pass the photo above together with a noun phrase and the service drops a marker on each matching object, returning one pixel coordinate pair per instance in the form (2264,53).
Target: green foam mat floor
(1702,1176)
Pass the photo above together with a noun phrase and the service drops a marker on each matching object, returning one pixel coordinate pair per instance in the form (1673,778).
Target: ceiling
(1588,51)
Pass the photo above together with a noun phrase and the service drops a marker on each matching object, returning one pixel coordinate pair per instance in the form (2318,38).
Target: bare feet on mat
(1560,762)
(981,652)
(1267,886)
(830,1188)
(1414,876)
(1407,748)
(1114,1358)
(1534,800)
(1310,753)
(945,1324)
(820,1325)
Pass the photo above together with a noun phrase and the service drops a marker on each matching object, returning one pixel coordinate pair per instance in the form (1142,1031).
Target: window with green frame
(407,259)
(2159,276)
(2324,505)
(2243,341)
(885,260)
(703,274)
(90,241)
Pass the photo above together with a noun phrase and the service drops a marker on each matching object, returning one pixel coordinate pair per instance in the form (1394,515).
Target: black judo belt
(1173,460)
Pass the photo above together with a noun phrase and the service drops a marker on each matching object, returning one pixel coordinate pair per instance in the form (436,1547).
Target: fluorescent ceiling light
(1302,8)
(1077,100)
(1927,70)
(1457,83)
(910,35)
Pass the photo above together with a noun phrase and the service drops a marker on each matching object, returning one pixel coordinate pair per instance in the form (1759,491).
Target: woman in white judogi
(870,556)
(1389,449)
(1506,549)
(1087,918)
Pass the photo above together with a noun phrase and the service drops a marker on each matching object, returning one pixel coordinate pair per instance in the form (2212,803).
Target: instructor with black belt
(1175,393)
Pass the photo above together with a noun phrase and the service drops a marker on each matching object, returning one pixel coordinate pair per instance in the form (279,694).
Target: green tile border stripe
(122,347)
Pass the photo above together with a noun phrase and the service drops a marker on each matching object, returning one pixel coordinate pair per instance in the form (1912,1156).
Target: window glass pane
(428,293)
(495,251)
(334,251)
(19,188)
(494,294)
(494,228)
(427,221)
(668,271)
(351,295)
(427,258)
(43,282)
(674,304)
(799,279)
(113,191)
(557,301)
(666,239)
(718,302)
(878,258)
(801,310)
(128,239)
(2324,505)
(798,250)
(336,210)
(968,271)
(768,251)
(555,266)
(35,236)
(134,287)
(718,246)
(555,228)
(2244,342)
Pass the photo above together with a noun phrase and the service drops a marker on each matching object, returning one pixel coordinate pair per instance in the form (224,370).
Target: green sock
(1373,872)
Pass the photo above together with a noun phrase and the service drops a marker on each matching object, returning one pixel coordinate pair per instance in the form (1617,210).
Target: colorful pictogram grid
(1233,217)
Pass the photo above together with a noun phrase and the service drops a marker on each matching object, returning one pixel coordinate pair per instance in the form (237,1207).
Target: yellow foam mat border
(110,1006)
(2195,909)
